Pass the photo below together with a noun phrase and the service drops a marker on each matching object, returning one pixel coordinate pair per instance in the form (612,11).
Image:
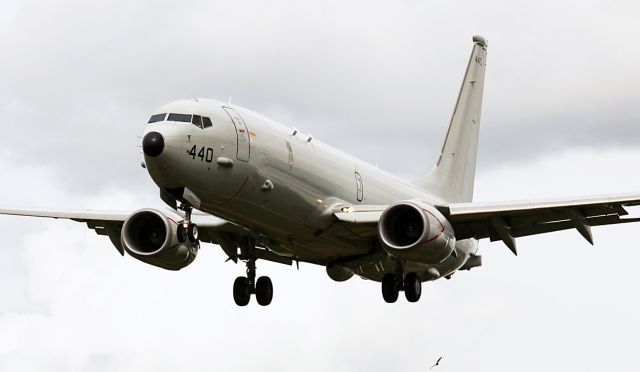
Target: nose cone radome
(153,144)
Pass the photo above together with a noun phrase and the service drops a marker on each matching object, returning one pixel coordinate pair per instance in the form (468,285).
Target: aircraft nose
(153,144)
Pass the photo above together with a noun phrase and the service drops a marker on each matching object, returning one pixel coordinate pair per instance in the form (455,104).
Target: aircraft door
(242,133)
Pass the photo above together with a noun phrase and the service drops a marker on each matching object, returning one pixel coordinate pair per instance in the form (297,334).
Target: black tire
(192,233)
(181,234)
(390,288)
(241,291)
(412,287)
(264,291)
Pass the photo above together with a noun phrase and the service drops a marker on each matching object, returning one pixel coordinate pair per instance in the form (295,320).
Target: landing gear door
(242,133)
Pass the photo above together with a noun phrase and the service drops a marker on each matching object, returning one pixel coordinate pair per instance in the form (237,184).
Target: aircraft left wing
(507,221)
(109,223)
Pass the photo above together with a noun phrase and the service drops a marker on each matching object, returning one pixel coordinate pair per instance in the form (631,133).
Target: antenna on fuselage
(229,100)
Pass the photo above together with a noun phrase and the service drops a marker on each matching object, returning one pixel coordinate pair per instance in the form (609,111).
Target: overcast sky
(78,80)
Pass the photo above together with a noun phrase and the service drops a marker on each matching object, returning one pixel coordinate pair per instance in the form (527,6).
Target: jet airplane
(264,191)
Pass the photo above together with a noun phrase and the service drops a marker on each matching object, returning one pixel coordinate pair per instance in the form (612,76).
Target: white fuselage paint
(309,180)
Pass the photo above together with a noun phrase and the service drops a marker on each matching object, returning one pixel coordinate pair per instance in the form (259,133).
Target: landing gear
(264,291)
(244,287)
(192,232)
(412,287)
(186,229)
(393,283)
(390,288)
(241,291)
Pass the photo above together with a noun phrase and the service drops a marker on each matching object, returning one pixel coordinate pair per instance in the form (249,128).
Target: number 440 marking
(205,153)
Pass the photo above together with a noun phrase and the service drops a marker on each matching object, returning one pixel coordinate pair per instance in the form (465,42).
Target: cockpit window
(197,121)
(206,122)
(179,117)
(157,117)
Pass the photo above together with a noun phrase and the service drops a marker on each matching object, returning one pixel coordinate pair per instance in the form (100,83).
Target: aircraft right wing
(109,223)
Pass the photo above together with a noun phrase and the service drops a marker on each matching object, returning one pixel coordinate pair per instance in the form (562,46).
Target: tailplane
(453,176)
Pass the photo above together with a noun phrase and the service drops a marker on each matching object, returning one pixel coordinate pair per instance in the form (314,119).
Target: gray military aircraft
(261,190)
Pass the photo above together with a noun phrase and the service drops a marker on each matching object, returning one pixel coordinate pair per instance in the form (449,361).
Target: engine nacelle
(416,231)
(151,237)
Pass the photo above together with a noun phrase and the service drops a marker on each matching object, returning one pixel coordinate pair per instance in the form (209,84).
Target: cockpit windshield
(197,121)
(202,122)
(179,117)
(206,122)
(157,117)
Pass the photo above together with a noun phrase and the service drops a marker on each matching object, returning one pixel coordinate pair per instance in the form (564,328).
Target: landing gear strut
(186,229)
(244,287)
(393,283)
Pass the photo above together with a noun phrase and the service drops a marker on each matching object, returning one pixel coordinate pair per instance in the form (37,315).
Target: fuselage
(278,182)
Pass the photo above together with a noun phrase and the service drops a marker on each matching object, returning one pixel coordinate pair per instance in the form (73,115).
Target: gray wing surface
(507,221)
(109,223)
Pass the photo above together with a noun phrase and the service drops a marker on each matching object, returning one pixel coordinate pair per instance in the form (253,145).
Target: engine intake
(416,231)
(151,237)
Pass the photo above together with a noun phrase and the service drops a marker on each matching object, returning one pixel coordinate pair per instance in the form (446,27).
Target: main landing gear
(393,283)
(186,229)
(244,287)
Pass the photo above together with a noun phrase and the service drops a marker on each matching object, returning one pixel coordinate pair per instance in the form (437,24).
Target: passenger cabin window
(197,121)
(157,117)
(179,117)
(207,122)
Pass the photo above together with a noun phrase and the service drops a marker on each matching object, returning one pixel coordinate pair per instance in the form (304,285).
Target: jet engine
(151,237)
(416,231)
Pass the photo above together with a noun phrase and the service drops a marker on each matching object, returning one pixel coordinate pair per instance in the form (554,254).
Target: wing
(109,223)
(507,221)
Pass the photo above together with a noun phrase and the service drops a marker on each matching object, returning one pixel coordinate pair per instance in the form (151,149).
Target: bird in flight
(437,363)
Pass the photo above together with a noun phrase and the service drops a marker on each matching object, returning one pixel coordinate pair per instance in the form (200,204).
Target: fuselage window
(157,117)
(197,121)
(179,117)
(207,122)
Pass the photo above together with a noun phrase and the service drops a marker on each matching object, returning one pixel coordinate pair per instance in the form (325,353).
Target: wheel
(264,291)
(181,234)
(241,291)
(390,288)
(192,233)
(412,287)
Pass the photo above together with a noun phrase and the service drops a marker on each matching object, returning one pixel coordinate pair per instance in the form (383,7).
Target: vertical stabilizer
(453,176)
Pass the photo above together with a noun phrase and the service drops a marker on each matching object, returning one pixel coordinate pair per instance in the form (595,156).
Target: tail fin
(453,176)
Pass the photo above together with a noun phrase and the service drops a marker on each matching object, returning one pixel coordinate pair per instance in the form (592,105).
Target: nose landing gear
(186,229)
(244,287)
